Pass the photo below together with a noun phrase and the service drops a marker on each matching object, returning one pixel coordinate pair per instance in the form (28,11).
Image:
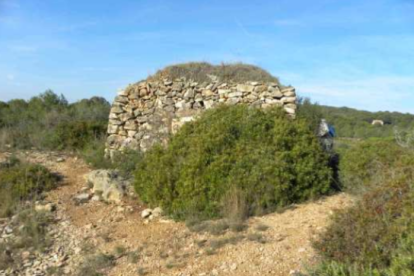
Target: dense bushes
(376,235)
(48,121)
(371,163)
(21,181)
(352,123)
(273,160)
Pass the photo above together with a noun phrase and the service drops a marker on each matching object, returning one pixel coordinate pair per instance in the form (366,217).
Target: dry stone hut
(149,111)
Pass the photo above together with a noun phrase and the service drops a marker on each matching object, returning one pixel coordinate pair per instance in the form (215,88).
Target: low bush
(125,163)
(369,163)
(48,121)
(21,181)
(272,160)
(374,237)
(76,135)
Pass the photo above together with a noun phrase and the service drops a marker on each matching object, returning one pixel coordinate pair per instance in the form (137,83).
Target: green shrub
(76,135)
(48,121)
(125,162)
(21,181)
(370,163)
(374,237)
(272,159)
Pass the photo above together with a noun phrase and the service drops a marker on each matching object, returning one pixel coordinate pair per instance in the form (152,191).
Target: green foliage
(201,72)
(125,162)
(352,123)
(311,112)
(48,121)
(21,181)
(368,163)
(376,235)
(273,160)
(77,134)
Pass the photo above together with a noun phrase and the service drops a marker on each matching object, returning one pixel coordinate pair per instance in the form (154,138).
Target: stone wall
(149,111)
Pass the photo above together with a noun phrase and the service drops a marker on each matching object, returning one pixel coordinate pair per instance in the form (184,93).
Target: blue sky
(338,52)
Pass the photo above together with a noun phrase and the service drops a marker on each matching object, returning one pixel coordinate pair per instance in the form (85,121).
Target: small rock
(82,198)
(25,255)
(157,212)
(301,250)
(8,230)
(146,213)
(60,159)
(45,208)
(96,198)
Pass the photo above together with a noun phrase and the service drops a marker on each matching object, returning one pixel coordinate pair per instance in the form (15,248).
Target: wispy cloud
(287,22)
(77,26)
(10,77)
(23,48)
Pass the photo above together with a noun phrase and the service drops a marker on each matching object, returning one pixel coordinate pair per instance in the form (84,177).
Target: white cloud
(371,93)
(10,77)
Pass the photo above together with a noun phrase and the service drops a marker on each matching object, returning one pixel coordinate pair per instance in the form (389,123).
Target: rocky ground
(117,240)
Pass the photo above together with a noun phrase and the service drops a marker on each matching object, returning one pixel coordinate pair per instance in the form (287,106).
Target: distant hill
(354,123)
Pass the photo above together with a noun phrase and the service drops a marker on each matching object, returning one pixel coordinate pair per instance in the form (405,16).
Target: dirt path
(275,244)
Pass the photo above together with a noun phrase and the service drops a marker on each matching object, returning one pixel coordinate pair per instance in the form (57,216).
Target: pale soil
(169,248)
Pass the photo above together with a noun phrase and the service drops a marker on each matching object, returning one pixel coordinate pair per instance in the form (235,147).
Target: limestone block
(233,101)
(121,99)
(123,93)
(132,133)
(209,104)
(289,92)
(275,92)
(115,122)
(107,184)
(224,91)
(130,125)
(142,119)
(207,93)
(113,116)
(189,94)
(260,88)
(292,106)
(289,99)
(126,116)
(112,129)
(235,94)
(245,88)
(289,110)
(117,109)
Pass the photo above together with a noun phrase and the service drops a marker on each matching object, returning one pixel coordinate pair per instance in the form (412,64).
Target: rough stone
(152,110)
(146,213)
(45,208)
(245,88)
(82,198)
(107,184)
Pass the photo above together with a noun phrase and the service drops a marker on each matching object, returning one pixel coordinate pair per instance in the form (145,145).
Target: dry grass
(30,229)
(203,72)
(95,264)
